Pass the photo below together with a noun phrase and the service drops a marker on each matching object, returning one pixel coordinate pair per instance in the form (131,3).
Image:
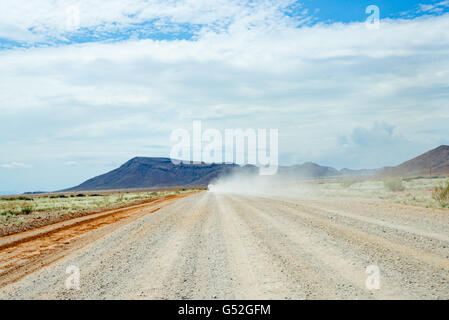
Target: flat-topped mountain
(145,172)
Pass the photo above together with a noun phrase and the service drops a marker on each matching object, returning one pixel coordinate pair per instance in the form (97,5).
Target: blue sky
(86,85)
(350,10)
(130,20)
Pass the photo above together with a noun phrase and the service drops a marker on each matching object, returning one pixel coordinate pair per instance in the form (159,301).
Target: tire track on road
(412,268)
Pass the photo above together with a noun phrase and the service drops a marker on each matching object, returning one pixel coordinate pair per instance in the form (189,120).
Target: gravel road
(223,246)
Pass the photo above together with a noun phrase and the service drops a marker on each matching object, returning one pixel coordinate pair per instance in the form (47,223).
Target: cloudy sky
(86,85)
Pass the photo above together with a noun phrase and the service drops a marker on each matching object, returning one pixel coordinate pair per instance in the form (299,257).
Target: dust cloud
(259,185)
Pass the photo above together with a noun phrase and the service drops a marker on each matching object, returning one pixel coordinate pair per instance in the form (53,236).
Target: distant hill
(309,170)
(433,162)
(360,172)
(141,172)
(146,173)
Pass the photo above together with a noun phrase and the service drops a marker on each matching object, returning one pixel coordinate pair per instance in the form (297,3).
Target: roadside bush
(57,196)
(26,208)
(394,184)
(10,213)
(441,194)
(11,208)
(17,198)
(5,216)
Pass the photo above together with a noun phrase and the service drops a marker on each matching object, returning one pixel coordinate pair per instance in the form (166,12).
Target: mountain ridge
(432,162)
(160,172)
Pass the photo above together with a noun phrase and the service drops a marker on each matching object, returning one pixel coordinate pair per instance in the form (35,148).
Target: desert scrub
(17,198)
(394,184)
(12,207)
(7,215)
(19,220)
(441,194)
(26,207)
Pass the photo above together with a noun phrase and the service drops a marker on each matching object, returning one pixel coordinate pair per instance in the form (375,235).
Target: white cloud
(315,83)
(377,146)
(15,165)
(434,8)
(51,20)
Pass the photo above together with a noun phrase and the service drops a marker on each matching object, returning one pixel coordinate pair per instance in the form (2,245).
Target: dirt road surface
(222,246)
